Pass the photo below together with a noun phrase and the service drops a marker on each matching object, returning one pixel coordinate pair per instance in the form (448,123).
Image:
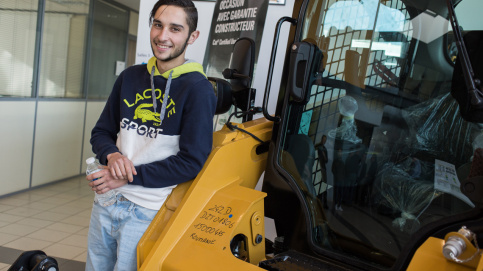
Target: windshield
(381,147)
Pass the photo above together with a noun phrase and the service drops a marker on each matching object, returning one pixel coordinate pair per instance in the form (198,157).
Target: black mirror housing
(223,93)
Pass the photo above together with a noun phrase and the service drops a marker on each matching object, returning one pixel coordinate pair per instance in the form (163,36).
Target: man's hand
(105,181)
(120,166)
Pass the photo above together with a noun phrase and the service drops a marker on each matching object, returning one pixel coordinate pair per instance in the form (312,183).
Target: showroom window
(17,47)
(62,48)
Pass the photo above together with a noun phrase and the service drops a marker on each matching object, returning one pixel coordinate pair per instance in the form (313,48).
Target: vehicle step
(294,261)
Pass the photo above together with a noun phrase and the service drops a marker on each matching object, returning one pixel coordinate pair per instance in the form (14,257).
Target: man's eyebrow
(172,24)
(177,25)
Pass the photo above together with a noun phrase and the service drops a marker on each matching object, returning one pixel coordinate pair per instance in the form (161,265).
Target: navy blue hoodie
(167,144)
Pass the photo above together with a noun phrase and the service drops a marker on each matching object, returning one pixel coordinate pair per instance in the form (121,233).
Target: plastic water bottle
(92,166)
(107,198)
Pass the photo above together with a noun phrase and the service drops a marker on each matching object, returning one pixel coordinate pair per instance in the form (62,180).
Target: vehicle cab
(370,148)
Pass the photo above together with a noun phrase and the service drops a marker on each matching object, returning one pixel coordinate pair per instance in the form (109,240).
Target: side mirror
(224,98)
(240,73)
(242,62)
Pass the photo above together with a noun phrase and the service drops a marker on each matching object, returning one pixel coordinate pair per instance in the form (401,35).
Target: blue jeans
(114,233)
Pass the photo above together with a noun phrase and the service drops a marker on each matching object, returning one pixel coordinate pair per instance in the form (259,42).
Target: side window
(380,145)
(467,16)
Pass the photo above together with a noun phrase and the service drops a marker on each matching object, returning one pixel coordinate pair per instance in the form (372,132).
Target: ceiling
(133,4)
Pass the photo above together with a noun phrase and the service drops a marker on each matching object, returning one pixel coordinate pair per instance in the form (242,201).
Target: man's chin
(163,57)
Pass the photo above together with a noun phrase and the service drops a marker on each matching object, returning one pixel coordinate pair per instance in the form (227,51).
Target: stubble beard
(175,54)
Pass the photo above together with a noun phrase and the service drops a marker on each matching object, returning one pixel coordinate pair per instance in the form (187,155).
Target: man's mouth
(162,46)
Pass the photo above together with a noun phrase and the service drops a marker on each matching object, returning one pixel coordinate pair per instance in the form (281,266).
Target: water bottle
(107,198)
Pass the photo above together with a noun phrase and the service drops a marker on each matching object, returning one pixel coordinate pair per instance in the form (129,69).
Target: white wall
(93,111)
(17,118)
(58,141)
(274,13)
(41,142)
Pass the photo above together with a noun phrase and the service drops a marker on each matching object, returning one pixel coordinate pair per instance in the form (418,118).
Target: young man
(154,133)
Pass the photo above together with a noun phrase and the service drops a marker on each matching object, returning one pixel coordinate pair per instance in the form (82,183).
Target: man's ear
(193,36)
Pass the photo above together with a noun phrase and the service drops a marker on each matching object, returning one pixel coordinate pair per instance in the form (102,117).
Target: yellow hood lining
(177,71)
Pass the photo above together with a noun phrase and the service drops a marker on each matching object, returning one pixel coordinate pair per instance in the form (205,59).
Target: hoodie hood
(187,67)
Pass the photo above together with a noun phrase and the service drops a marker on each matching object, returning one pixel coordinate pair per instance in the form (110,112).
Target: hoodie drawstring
(153,91)
(166,94)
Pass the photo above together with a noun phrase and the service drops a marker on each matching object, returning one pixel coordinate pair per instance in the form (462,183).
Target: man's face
(170,36)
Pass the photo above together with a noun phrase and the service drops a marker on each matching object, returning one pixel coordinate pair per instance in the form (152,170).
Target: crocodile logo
(146,114)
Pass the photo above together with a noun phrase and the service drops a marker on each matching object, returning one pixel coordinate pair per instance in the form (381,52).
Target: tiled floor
(54,219)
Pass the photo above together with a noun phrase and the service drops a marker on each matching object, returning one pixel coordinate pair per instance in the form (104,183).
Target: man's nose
(163,34)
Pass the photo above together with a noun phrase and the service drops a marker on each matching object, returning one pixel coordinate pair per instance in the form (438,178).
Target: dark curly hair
(188,7)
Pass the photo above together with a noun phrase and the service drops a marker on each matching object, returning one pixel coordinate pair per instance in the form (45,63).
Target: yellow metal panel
(206,243)
(160,220)
(430,257)
(227,179)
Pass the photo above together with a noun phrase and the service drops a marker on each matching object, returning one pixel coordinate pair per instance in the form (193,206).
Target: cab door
(367,158)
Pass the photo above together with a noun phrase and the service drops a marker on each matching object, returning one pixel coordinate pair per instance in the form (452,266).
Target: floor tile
(81,203)
(35,222)
(73,265)
(44,192)
(77,220)
(54,219)
(65,227)
(26,243)
(75,240)
(87,197)
(22,211)
(51,216)
(7,238)
(14,202)
(87,192)
(18,229)
(63,251)
(82,257)
(48,235)
(9,255)
(68,209)
(60,188)
(4,207)
(43,206)
(84,231)
(86,213)
(70,195)
(56,200)
(27,196)
(10,218)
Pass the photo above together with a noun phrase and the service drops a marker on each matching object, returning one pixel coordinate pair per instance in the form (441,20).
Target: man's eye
(176,29)
(157,25)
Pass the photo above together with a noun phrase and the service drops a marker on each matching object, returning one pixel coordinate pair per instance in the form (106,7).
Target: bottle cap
(90,160)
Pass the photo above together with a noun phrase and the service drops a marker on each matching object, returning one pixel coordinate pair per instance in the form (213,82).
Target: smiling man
(154,133)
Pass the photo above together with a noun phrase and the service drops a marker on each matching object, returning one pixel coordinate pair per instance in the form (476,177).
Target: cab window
(380,148)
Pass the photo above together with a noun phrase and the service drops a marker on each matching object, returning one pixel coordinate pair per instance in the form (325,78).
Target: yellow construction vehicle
(371,161)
